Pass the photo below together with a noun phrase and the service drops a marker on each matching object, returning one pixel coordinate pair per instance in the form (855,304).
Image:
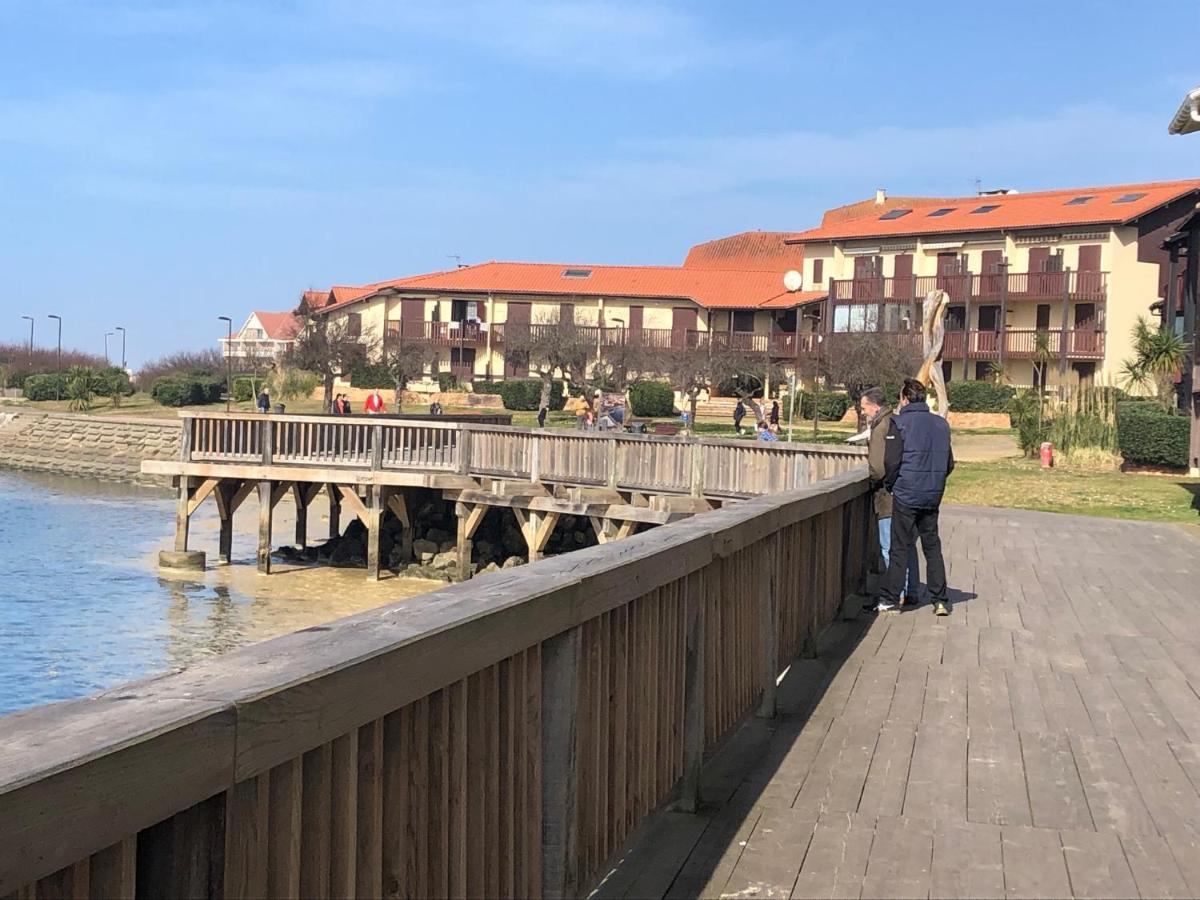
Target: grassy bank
(1023,484)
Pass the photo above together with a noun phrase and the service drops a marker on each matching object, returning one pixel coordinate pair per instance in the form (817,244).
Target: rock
(356,532)
(424,547)
(490,567)
(445,560)
(447,546)
(310,554)
(513,561)
(580,538)
(347,555)
(437,536)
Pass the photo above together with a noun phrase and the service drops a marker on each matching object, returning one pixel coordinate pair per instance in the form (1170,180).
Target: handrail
(448,745)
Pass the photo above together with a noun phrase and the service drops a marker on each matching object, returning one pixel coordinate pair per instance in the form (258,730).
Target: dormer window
(1129,198)
(944,211)
(577,273)
(1079,201)
(986,208)
(894,214)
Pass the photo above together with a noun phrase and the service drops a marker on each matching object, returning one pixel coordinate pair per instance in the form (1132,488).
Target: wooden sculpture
(933,334)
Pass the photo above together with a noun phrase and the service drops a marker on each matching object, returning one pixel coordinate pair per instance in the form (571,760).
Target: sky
(164,163)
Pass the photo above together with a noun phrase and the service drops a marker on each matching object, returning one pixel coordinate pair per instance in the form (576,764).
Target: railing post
(535,458)
(612,461)
(267,434)
(1065,339)
(768,629)
(186,440)
(697,468)
(374,527)
(561,657)
(1003,310)
(464,449)
(693,690)
(376,448)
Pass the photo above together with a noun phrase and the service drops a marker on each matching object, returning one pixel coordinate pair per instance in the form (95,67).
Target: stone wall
(109,448)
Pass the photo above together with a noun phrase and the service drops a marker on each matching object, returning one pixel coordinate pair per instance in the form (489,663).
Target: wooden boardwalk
(1043,741)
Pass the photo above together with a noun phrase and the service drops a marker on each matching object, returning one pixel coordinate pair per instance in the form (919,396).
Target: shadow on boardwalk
(1043,740)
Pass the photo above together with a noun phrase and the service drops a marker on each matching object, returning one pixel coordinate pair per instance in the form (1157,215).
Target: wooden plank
(265,508)
(900,860)
(284,831)
(438,817)
(200,494)
(1056,796)
(1113,798)
(967,861)
(70,883)
(996,793)
(836,862)
(397,804)
(247,808)
(1033,863)
(368,876)
(1097,865)
(937,784)
(457,785)
(315,834)
(1168,793)
(1154,868)
(344,839)
(887,779)
(113,871)
(771,860)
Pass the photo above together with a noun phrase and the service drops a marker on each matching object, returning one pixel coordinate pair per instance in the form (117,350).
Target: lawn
(1023,484)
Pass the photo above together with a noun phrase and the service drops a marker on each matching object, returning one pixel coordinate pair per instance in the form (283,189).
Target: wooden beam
(544,529)
(473,513)
(227,492)
(183,514)
(266,506)
(398,504)
(604,528)
(335,510)
(627,528)
(374,525)
(200,494)
(351,500)
(279,492)
(301,496)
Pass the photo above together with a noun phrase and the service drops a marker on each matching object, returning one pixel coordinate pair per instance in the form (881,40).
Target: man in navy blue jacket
(917,459)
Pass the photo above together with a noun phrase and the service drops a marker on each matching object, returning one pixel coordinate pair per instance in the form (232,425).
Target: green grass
(1023,484)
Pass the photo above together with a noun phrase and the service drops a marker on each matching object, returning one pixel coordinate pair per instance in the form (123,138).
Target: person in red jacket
(373,405)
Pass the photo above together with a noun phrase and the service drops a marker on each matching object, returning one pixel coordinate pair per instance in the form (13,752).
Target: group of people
(372,406)
(909,455)
(767,428)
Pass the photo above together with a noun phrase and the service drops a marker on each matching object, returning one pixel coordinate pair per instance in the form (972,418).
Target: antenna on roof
(978,186)
(458,263)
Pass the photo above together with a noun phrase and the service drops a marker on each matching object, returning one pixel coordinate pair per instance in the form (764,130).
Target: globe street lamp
(58,378)
(228,361)
(121,328)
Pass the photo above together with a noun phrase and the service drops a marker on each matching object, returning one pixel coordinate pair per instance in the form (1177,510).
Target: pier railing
(684,465)
(498,738)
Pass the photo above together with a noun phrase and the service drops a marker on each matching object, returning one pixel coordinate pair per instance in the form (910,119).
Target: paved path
(1042,741)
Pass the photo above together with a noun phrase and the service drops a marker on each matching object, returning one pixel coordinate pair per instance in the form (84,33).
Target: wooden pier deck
(1043,741)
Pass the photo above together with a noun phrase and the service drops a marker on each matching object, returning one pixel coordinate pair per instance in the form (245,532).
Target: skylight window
(895,214)
(944,211)
(986,208)
(1079,201)
(1129,198)
(577,273)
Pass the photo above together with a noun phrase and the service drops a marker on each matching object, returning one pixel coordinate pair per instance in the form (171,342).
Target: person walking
(346,409)
(264,401)
(917,461)
(879,418)
(541,416)
(374,405)
(336,409)
(739,413)
(774,419)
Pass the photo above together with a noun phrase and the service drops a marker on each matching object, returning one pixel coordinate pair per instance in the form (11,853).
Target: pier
(369,467)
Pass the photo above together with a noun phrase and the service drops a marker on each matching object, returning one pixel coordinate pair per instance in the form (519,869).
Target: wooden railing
(1017,343)
(497,738)
(450,334)
(683,465)
(1091,286)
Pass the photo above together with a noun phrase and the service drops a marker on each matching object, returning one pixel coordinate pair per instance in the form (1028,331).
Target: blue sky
(165,163)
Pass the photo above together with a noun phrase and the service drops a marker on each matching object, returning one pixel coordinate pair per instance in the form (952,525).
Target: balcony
(1076,286)
(1016,343)
(446,334)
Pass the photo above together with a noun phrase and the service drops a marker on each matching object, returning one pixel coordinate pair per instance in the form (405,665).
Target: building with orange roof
(1070,270)
(265,335)
(467,310)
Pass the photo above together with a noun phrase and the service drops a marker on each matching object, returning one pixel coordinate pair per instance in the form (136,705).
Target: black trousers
(907,525)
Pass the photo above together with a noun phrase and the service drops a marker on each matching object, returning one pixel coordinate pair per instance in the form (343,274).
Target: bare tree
(406,360)
(693,371)
(329,348)
(858,361)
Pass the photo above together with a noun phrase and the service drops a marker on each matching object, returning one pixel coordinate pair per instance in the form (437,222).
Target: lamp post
(121,328)
(228,361)
(30,318)
(58,379)
(107,335)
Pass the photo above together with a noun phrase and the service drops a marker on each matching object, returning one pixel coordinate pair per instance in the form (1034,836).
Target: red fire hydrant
(1047,455)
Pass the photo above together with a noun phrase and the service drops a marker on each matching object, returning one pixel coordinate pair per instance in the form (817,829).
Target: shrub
(82,384)
(199,362)
(979,396)
(1149,435)
(652,398)
(831,406)
(1032,424)
(187,390)
(371,375)
(447,382)
(524,394)
(487,387)
(243,388)
(45,387)
(292,384)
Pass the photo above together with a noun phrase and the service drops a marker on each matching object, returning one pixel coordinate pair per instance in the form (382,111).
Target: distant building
(1184,247)
(265,335)
(1071,269)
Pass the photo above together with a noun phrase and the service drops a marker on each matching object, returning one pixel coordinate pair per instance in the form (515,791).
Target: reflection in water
(84,607)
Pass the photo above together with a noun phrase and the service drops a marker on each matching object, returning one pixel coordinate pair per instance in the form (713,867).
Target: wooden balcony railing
(450,334)
(1089,286)
(1016,343)
(784,345)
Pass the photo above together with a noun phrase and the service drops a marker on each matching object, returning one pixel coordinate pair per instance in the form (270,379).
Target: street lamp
(121,328)
(30,318)
(228,361)
(107,335)
(58,379)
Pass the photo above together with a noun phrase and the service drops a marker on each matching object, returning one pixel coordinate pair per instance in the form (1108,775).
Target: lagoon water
(83,606)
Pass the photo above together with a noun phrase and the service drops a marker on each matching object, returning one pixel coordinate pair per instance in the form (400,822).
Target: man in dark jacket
(917,460)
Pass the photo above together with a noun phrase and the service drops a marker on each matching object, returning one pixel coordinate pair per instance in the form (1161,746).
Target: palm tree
(1159,354)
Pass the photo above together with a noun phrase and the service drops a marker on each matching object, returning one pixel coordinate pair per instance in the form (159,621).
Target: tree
(1159,355)
(858,361)
(406,360)
(329,348)
(550,349)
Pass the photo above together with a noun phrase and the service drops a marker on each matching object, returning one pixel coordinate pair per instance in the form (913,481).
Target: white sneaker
(884,606)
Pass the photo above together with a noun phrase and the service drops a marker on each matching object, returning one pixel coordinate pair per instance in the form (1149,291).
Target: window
(818,271)
(895,214)
(577,273)
(986,208)
(945,210)
(254,334)
(743,320)
(1129,198)
(1079,201)
(353,325)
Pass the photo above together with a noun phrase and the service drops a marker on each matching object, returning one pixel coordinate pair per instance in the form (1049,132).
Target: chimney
(880,196)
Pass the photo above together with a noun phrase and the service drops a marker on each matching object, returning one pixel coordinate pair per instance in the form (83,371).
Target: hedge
(45,387)
(652,398)
(487,387)
(524,394)
(831,406)
(979,396)
(1149,435)
(371,376)
(243,388)
(187,390)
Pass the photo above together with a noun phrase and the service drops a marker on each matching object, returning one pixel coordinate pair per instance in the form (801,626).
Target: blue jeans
(912,590)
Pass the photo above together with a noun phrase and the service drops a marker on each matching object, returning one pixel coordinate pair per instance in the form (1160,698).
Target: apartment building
(1063,272)
(470,312)
(264,335)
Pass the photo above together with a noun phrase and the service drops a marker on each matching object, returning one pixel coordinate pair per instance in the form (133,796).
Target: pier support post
(300,498)
(266,508)
(182,514)
(469,517)
(374,526)
(335,510)
(398,503)
(226,491)
(536,527)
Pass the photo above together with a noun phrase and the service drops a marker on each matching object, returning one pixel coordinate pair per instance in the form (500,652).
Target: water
(83,606)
